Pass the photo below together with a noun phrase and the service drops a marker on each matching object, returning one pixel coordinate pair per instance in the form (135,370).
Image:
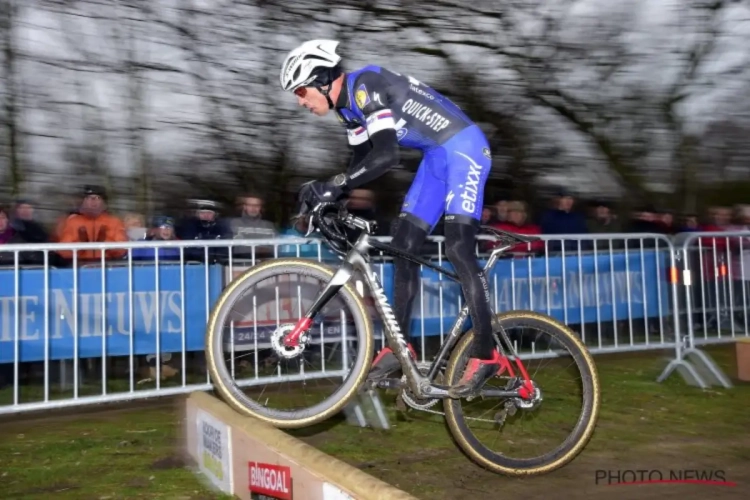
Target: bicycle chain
(509,407)
(500,421)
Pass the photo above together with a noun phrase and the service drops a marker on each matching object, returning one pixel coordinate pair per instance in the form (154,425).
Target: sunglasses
(300,92)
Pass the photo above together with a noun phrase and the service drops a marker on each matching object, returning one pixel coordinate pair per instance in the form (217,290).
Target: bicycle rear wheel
(563,353)
(265,315)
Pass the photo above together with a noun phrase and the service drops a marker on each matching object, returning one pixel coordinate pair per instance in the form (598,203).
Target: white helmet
(301,67)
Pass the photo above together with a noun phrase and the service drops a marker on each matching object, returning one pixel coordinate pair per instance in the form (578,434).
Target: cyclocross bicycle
(295,339)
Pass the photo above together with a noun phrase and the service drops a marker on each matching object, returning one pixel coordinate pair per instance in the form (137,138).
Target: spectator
(689,224)
(60,223)
(603,220)
(162,230)
(709,257)
(204,223)
(644,220)
(488,216)
(135,226)
(7,237)
(487,219)
(740,263)
(718,220)
(562,220)
(665,220)
(24,224)
(742,219)
(93,224)
(517,223)
(29,231)
(501,210)
(251,225)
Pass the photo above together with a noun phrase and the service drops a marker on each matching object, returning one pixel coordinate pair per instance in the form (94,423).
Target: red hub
(526,391)
(292,339)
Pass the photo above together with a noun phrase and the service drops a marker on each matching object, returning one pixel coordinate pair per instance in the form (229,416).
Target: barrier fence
(130,321)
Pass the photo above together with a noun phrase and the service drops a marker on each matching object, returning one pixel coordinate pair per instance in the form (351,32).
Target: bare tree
(181,99)
(11,95)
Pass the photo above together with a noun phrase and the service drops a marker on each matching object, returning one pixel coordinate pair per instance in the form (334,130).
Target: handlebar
(328,218)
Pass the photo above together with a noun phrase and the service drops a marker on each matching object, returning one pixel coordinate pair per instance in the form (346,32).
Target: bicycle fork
(340,278)
(353,262)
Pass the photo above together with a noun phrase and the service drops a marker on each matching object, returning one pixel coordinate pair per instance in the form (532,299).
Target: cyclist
(382,110)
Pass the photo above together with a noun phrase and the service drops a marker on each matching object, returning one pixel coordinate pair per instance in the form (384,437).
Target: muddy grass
(644,426)
(667,430)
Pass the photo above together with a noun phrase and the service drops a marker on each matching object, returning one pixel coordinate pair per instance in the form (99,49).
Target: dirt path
(578,480)
(440,471)
(446,474)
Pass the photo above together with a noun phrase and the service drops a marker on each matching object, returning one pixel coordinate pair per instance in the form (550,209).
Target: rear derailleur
(511,406)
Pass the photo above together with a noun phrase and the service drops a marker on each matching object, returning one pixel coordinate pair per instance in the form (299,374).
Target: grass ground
(134,453)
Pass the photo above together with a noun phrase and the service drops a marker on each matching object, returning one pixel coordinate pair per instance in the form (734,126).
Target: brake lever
(310,216)
(310,227)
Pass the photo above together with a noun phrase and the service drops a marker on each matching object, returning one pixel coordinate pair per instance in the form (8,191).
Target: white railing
(713,300)
(619,292)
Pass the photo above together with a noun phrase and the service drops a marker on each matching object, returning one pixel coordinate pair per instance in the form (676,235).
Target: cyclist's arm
(359,152)
(370,91)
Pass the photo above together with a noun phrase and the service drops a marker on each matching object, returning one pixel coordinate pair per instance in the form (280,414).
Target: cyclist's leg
(409,235)
(460,244)
(421,210)
(468,169)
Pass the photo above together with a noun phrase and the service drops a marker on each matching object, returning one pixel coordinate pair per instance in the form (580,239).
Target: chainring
(406,395)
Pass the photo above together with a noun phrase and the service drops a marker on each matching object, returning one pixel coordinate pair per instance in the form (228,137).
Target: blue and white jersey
(374,99)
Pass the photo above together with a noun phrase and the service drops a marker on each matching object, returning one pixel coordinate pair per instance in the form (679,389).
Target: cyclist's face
(312,99)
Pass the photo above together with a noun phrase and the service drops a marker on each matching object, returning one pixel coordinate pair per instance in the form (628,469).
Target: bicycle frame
(358,259)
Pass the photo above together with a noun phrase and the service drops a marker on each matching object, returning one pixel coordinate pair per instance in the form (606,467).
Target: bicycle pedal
(388,383)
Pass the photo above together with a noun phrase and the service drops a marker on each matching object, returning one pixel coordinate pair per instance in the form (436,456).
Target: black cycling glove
(315,192)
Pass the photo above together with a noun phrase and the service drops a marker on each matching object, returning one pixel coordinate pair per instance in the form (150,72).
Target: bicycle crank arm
(388,383)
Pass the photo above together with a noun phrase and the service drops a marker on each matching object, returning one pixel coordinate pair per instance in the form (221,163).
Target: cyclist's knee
(460,238)
(410,233)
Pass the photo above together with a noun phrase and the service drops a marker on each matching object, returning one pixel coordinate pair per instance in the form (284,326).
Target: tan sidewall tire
(278,267)
(584,428)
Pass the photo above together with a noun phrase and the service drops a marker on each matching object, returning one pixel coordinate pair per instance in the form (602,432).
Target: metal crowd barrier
(78,332)
(714,299)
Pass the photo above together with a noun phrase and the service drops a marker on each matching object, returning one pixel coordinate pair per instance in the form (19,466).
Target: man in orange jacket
(93,224)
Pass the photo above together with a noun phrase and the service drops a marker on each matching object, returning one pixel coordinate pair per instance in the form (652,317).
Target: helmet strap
(326,79)
(325,92)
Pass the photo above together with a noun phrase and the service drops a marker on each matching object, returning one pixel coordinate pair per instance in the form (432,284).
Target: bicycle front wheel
(245,359)
(497,433)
